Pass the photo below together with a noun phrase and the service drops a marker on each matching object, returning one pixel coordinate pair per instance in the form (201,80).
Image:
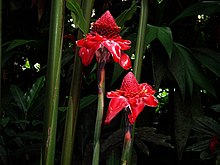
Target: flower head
(214,141)
(104,40)
(131,95)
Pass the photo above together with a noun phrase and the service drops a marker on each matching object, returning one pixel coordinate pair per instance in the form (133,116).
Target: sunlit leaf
(77,15)
(163,34)
(206,8)
(126,14)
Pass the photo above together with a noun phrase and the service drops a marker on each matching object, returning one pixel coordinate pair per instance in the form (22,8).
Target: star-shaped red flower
(104,40)
(131,95)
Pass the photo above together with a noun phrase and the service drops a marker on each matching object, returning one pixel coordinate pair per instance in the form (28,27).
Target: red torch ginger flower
(214,141)
(131,95)
(104,40)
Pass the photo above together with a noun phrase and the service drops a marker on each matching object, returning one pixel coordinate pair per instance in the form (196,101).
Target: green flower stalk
(53,82)
(139,57)
(103,41)
(74,96)
(100,108)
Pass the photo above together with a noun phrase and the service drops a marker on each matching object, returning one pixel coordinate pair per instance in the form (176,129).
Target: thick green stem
(74,98)
(53,82)
(99,116)
(138,59)
(139,51)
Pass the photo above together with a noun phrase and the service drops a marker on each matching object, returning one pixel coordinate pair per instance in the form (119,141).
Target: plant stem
(127,139)
(99,116)
(140,39)
(74,98)
(53,82)
(138,59)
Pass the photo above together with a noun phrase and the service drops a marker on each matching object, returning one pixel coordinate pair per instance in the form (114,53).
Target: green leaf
(77,15)
(182,122)
(3,153)
(87,100)
(37,122)
(159,68)
(205,155)
(207,125)
(216,107)
(209,58)
(4,121)
(11,134)
(19,97)
(33,93)
(207,8)
(16,43)
(195,71)
(199,146)
(163,34)
(118,70)
(126,14)
(177,68)
(30,135)
(142,146)
(149,134)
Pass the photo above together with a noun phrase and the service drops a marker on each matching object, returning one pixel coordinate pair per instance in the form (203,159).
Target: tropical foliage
(49,99)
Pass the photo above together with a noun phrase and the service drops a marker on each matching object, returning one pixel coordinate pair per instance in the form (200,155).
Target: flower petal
(124,44)
(86,56)
(125,61)
(80,43)
(113,94)
(150,101)
(115,106)
(146,87)
(135,112)
(113,48)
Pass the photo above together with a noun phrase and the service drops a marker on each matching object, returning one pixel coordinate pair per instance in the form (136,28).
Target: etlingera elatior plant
(103,40)
(132,97)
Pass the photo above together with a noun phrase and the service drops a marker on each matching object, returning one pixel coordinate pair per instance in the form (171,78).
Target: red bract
(132,96)
(104,40)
